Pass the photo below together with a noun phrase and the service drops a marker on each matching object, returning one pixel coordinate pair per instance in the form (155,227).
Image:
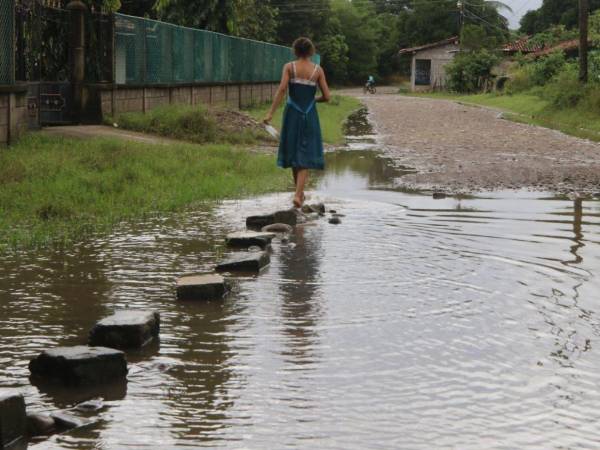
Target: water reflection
(300,299)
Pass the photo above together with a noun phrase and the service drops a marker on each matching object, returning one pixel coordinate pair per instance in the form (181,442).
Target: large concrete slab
(202,287)
(126,329)
(245,262)
(13,417)
(79,365)
(245,239)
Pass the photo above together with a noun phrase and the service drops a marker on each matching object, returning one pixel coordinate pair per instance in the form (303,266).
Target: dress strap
(314,72)
(294,69)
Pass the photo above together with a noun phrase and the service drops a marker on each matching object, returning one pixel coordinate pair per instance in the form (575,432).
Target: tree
(301,19)
(334,53)
(428,22)
(360,26)
(255,19)
(554,12)
(214,15)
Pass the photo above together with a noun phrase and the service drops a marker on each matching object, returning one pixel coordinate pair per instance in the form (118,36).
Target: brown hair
(303,47)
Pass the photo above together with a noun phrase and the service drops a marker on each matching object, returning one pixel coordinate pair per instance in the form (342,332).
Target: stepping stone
(245,239)
(126,329)
(439,195)
(318,208)
(202,287)
(40,425)
(66,421)
(288,217)
(245,262)
(335,221)
(259,222)
(13,418)
(278,228)
(79,365)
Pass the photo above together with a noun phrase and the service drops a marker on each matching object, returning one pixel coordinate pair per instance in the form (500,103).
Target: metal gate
(42,52)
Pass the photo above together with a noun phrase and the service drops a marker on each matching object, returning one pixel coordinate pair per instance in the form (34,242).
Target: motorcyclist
(371,81)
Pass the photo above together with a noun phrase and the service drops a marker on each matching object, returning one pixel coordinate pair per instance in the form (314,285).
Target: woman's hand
(268,118)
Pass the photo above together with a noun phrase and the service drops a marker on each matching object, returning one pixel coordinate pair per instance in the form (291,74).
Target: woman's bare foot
(298,200)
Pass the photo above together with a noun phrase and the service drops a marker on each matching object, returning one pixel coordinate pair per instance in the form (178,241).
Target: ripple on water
(416,323)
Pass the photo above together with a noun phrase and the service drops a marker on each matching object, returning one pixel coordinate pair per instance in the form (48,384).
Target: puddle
(417,323)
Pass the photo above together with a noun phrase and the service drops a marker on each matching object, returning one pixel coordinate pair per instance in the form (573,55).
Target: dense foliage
(554,12)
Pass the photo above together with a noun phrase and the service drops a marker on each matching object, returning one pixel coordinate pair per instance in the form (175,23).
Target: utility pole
(461,16)
(584,13)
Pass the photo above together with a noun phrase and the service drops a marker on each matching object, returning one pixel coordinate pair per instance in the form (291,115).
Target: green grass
(331,115)
(55,190)
(191,123)
(533,109)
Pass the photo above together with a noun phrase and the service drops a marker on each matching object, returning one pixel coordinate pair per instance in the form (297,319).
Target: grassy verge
(54,190)
(193,124)
(535,110)
(331,115)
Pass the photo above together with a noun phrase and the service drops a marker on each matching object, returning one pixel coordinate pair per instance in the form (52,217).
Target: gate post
(77,56)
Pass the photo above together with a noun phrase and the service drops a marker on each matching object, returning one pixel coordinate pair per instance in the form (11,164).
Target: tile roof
(452,40)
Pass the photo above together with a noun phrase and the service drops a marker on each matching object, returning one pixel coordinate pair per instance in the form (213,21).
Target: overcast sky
(520,7)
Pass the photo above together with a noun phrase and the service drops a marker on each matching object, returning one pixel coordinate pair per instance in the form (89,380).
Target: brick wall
(142,99)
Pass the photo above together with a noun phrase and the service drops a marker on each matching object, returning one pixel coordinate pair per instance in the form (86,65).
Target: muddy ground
(457,148)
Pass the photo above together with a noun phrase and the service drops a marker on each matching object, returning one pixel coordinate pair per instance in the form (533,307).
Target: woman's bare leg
(301,178)
(295,172)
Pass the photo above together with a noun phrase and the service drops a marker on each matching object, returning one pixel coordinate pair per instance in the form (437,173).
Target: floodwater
(468,323)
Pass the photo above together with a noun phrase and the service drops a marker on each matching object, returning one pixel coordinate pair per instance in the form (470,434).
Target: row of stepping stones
(101,362)
(256,244)
(104,361)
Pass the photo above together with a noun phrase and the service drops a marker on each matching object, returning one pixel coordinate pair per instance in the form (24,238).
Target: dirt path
(461,148)
(94,131)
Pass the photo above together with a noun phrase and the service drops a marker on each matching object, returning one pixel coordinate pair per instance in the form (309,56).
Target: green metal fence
(152,52)
(7,40)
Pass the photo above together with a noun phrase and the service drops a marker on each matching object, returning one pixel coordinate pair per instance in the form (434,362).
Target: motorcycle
(369,88)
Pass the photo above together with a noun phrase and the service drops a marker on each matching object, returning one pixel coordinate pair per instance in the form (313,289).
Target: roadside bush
(470,71)
(565,90)
(594,65)
(591,98)
(529,74)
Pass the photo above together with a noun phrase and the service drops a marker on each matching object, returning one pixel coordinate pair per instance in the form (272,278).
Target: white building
(428,62)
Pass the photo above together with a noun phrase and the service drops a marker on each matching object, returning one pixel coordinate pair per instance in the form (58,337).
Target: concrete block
(79,365)
(126,329)
(13,417)
(202,287)
(247,239)
(245,262)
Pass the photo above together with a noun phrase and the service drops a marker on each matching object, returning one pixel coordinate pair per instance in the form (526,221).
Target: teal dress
(301,144)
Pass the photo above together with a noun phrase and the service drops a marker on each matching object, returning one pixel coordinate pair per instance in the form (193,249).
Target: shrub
(529,74)
(470,71)
(565,90)
(591,99)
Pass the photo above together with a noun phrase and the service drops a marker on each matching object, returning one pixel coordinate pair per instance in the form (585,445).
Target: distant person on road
(371,81)
(301,144)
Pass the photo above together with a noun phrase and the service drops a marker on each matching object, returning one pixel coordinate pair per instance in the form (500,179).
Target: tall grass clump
(191,123)
(55,190)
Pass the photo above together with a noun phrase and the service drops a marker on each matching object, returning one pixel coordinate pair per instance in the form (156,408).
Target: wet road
(417,323)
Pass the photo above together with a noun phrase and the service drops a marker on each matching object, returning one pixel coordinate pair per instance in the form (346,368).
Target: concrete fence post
(77,55)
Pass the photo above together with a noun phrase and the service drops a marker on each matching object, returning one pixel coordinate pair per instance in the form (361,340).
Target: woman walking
(301,145)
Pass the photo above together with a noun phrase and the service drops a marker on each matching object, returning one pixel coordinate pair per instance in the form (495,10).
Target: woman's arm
(325,93)
(280,94)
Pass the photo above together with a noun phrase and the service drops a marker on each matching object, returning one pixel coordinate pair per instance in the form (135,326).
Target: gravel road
(459,148)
